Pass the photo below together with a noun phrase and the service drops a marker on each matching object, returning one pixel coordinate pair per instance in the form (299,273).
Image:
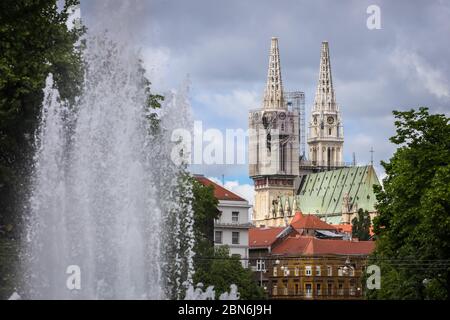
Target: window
(297,289)
(296,271)
(275,271)
(330,271)
(275,290)
(235,238)
(329,131)
(341,289)
(308,290)
(318,271)
(235,217)
(218,237)
(318,289)
(340,272)
(260,265)
(330,289)
(286,271)
(308,271)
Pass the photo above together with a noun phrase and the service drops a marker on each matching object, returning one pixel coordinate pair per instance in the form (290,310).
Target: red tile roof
(306,245)
(219,192)
(310,221)
(263,237)
(347,228)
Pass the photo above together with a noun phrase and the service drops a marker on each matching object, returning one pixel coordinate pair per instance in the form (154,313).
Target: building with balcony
(231,228)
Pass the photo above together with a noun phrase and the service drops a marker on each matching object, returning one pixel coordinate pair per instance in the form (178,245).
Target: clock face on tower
(330,120)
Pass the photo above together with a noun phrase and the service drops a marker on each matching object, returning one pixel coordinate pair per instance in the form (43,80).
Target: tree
(35,41)
(213,265)
(361,225)
(205,211)
(413,226)
(220,270)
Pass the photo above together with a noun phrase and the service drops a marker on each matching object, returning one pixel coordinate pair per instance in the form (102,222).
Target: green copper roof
(323,192)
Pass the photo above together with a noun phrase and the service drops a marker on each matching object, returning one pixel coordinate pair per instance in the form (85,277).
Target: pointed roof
(325,98)
(219,192)
(309,221)
(273,94)
(263,237)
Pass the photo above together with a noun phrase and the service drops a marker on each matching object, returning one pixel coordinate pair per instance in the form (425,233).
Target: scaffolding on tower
(295,101)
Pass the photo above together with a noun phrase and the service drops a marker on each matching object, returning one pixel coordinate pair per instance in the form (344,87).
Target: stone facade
(273,142)
(280,175)
(326,136)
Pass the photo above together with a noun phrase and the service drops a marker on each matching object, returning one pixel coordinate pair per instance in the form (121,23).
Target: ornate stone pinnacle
(273,94)
(325,98)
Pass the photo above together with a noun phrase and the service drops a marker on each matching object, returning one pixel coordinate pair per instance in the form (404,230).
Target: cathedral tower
(273,146)
(326,136)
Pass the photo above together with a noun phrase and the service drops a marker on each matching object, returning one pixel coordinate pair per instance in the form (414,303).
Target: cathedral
(285,179)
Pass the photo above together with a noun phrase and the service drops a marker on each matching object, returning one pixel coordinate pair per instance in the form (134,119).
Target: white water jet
(103,190)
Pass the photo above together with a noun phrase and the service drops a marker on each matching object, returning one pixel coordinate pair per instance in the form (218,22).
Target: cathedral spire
(325,98)
(273,94)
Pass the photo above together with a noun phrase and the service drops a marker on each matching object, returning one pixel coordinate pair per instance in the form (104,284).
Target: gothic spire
(325,98)
(273,94)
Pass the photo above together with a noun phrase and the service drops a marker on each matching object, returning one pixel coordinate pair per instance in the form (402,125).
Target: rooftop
(309,221)
(263,237)
(307,245)
(219,192)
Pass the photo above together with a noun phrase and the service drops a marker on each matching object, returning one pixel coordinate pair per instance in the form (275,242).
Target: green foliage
(413,226)
(221,270)
(153,100)
(361,225)
(34,42)
(177,244)
(213,265)
(205,212)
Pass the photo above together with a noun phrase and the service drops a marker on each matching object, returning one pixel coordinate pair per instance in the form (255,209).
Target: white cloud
(234,105)
(246,191)
(420,73)
(156,63)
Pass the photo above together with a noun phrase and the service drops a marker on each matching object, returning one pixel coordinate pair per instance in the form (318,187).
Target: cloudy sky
(223,47)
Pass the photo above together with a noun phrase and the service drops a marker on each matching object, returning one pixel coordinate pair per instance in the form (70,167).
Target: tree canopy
(35,41)
(413,226)
(361,225)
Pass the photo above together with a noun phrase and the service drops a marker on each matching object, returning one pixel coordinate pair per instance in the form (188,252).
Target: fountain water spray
(104,189)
